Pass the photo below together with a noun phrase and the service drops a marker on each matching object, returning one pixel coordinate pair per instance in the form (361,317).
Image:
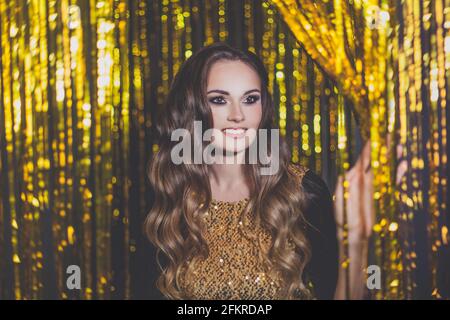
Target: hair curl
(182,192)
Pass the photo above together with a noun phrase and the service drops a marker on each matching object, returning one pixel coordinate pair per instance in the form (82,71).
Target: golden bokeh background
(82,80)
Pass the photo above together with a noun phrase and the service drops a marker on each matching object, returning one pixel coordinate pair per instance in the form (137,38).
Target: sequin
(234,268)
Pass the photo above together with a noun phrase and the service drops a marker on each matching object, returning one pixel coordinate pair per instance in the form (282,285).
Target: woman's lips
(234,132)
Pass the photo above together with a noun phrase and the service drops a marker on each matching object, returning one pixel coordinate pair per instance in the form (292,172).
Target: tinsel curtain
(81,84)
(82,80)
(392,59)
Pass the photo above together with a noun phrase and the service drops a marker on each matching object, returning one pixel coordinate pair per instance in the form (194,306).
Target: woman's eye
(220,100)
(252,99)
(217,100)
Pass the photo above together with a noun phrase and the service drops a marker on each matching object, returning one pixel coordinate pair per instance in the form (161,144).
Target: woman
(225,230)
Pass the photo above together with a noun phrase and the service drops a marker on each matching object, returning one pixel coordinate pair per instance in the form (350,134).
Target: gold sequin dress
(235,267)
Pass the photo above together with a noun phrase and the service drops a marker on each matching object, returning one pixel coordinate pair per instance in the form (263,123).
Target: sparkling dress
(235,267)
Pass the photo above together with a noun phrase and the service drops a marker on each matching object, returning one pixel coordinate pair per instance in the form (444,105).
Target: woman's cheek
(254,116)
(219,117)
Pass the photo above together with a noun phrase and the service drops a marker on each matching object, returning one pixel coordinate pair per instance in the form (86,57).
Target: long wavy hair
(182,192)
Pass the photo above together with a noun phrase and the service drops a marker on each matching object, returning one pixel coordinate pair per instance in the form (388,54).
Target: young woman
(225,230)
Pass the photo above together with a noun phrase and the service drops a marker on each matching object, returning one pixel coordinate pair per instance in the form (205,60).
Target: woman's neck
(228,182)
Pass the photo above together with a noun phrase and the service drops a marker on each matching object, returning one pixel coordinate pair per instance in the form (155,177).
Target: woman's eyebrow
(227,93)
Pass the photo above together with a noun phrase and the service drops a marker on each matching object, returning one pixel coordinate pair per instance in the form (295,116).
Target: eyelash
(255,99)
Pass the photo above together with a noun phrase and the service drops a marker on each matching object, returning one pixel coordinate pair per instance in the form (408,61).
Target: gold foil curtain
(81,82)
(331,33)
(64,130)
(421,55)
(391,58)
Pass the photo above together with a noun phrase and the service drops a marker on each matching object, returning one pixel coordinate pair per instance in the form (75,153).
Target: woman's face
(234,95)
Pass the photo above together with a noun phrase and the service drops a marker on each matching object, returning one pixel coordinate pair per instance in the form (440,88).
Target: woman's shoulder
(318,211)
(297,170)
(311,182)
(317,206)
(317,196)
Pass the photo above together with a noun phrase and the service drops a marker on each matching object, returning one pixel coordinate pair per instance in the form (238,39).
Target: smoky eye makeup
(251,99)
(220,100)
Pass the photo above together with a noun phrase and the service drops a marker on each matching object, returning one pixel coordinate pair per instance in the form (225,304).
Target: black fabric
(322,270)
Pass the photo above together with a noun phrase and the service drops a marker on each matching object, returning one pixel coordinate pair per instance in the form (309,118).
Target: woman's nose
(235,113)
